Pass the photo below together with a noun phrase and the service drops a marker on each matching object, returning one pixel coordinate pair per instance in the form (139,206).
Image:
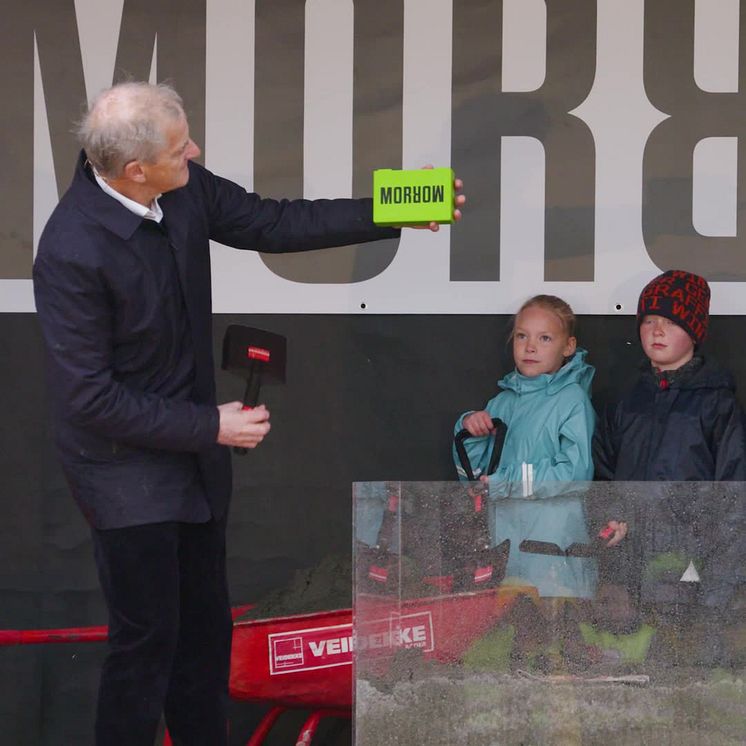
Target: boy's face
(540,343)
(665,343)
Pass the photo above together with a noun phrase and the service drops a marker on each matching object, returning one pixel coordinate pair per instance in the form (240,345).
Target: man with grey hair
(122,287)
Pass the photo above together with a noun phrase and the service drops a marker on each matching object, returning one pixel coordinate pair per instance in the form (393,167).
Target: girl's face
(540,342)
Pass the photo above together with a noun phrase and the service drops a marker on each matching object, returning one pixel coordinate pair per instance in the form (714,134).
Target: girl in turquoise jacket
(535,492)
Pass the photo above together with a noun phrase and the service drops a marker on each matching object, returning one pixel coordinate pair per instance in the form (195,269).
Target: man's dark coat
(133,393)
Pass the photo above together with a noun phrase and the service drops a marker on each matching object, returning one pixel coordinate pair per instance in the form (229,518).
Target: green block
(414,197)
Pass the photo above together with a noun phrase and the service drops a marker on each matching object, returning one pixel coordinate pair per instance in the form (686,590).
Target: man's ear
(570,347)
(134,172)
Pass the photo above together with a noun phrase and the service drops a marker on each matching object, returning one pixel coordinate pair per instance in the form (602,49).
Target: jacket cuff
(210,427)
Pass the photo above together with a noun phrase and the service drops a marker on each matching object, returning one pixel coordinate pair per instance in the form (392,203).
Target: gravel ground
(487,710)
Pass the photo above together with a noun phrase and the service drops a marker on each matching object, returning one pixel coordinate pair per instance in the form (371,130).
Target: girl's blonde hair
(560,308)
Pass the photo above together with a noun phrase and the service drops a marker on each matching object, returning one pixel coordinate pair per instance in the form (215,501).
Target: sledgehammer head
(246,349)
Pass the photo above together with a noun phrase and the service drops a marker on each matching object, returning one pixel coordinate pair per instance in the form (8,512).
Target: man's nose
(193,150)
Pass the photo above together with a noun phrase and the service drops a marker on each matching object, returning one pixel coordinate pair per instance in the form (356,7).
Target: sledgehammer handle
(250,397)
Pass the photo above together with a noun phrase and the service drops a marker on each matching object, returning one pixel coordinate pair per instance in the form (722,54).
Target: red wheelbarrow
(305,661)
(254,666)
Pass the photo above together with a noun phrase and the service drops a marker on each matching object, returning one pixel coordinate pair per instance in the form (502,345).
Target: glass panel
(485,619)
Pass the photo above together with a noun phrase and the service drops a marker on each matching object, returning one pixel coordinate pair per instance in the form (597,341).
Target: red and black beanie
(680,296)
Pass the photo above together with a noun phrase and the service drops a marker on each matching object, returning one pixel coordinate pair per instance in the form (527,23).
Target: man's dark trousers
(169,633)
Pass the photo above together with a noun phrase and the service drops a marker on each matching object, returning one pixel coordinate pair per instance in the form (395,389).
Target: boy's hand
(478,424)
(617,530)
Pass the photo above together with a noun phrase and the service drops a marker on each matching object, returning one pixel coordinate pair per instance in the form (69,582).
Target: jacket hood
(710,376)
(575,370)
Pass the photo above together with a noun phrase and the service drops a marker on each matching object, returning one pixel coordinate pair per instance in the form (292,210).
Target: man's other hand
(241,427)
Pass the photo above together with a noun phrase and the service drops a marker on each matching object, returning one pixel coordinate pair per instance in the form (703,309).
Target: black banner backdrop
(367,398)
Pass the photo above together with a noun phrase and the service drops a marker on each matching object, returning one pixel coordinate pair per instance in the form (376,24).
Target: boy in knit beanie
(679,422)
(672,319)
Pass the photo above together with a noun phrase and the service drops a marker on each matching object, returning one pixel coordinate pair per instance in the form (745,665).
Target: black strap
(501,430)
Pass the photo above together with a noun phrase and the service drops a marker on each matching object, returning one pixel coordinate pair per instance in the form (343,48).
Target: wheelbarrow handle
(501,430)
(41,636)
(10,637)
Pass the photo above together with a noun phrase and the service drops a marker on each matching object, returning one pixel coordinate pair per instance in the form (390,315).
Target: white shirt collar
(153,212)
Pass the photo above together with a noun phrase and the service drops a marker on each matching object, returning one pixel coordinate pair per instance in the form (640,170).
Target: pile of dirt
(325,587)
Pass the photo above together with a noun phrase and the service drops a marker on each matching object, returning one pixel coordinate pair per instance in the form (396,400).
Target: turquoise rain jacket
(550,423)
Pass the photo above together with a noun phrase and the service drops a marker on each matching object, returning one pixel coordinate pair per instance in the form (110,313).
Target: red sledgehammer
(256,355)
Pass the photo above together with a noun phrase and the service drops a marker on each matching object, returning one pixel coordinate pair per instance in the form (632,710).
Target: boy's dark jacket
(692,431)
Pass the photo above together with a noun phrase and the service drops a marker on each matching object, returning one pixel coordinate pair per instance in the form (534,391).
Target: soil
(703,709)
(325,587)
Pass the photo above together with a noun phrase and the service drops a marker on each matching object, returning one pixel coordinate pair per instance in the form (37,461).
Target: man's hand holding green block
(416,197)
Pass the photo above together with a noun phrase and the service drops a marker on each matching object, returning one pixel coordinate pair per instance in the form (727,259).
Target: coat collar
(99,206)
(90,199)
(705,373)
(574,371)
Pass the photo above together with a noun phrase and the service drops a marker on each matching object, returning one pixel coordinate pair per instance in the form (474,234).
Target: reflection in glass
(475,622)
